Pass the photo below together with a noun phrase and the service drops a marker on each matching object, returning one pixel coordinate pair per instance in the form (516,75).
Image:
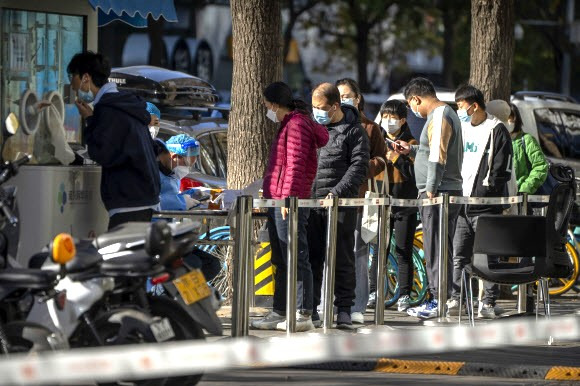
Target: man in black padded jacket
(342,169)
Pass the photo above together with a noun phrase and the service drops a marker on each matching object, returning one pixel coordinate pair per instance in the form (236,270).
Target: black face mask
(165,170)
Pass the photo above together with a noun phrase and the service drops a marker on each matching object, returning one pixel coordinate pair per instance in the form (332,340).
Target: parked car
(188,105)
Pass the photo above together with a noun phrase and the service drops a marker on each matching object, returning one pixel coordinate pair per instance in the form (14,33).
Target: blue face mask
(348,101)
(463,116)
(86,96)
(321,116)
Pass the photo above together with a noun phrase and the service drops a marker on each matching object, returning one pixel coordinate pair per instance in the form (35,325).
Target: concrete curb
(388,365)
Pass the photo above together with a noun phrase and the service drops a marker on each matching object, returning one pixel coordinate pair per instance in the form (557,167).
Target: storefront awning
(134,12)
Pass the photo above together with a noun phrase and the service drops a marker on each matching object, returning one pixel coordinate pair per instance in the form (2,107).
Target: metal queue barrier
(243,243)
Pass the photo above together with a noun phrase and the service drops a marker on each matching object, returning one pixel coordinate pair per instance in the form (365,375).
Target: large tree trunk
(492,47)
(257,60)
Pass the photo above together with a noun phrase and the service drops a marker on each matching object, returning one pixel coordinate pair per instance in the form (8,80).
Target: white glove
(190,202)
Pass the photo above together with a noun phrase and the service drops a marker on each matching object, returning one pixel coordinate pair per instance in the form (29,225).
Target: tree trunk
(257,60)
(448,42)
(492,47)
(362,56)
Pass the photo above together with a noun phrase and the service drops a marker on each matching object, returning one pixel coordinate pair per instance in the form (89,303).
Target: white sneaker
(269,322)
(453,307)
(486,311)
(403,303)
(357,318)
(414,311)
(303,323)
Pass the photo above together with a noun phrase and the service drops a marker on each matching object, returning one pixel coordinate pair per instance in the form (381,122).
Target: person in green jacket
(530,165)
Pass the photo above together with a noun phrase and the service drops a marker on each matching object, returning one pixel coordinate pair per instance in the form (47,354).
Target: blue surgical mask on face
(321,116)
(417,113)
(86,96)
(348,101)
(463,115)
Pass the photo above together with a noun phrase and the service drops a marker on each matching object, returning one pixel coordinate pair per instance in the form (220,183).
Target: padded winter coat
(529,180)
(293,157)
(343,163)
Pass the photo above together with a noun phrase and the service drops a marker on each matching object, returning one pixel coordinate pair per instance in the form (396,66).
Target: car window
(207,157)
(551,133)
(221,139)
(571,122)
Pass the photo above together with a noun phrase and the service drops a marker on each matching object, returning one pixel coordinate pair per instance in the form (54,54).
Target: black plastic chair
(539,242)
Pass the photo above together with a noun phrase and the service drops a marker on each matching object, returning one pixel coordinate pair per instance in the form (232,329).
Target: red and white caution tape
(177,358)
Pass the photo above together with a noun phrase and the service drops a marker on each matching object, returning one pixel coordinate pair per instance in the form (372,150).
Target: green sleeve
(539,171)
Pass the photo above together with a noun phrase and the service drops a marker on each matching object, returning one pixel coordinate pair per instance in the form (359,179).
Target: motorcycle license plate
(192,287)
(162,330)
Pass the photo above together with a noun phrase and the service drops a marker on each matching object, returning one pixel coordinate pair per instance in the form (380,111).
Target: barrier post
(330,265)
(443,256)
(383,243)
(523,288)
(292,273)
(242,253)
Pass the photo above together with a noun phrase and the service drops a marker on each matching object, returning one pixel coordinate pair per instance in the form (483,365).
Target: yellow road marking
(418,367)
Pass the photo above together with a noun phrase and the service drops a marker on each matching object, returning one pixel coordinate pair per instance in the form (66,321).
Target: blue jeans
(278,232)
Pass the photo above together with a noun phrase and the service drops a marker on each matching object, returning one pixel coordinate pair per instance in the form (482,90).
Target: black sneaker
(343,320)
(316,320)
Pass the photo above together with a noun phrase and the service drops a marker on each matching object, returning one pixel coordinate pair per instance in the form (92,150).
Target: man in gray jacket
(438,159)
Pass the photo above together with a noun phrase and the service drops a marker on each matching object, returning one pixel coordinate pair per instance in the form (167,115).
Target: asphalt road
(340,378)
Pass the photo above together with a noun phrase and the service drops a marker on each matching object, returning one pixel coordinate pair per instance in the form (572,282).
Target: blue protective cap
(153,110)
(183,145)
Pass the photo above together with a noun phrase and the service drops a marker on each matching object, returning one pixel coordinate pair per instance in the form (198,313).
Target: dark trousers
(144,215)
(430,219)
(404,227)
(278,233)
(345,281)
(463,255)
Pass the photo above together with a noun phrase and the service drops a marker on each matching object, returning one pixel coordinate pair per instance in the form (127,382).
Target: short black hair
(470,94)
(394,107)
(421,87)
(329,91)
(94,64)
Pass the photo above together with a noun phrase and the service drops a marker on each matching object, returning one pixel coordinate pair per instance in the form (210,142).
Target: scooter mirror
(12,124)
(63,248)
(158,240)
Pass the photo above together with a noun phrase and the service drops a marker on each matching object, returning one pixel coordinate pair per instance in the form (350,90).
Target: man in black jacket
(486,172)
(342,168)
(118,139)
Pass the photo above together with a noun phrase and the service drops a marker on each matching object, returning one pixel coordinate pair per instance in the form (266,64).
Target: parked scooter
(21,287)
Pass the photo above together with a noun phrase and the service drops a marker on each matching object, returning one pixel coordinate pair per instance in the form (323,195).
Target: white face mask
(393,126)
(271,114)
(153,130)
(510,126)
(180,171)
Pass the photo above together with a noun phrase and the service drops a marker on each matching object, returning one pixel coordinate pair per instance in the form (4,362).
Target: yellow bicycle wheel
(561,285)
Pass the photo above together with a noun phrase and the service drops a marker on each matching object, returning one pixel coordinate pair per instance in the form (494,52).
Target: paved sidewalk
(535,361)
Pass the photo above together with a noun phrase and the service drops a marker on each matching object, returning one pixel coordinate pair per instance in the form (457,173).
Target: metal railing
(242,242)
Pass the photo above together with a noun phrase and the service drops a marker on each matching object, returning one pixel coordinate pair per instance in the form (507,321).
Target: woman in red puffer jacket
(290,173)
